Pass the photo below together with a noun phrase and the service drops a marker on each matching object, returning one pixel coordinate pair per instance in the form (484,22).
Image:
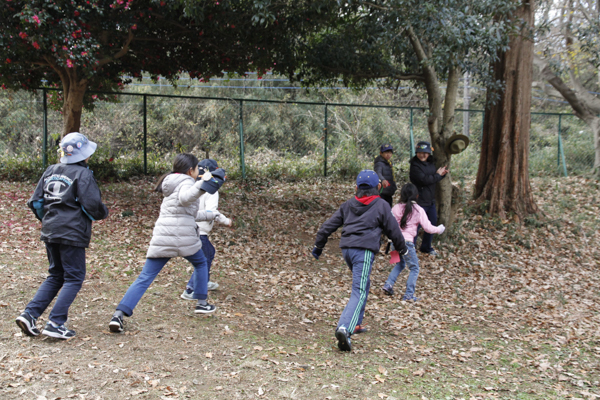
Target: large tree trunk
(73,105)
(503,176)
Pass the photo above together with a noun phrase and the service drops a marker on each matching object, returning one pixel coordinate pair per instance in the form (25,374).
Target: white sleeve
(212,201)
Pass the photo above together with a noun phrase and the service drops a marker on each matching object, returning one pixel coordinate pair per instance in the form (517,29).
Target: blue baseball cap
(208,164)
(367,179)
(423,147)
(386,147)
(75,147)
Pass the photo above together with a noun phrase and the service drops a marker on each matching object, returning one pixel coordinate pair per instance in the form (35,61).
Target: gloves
(442,227)
(206,176)
(316,252)
(223,220)
(403,251)
(214,182)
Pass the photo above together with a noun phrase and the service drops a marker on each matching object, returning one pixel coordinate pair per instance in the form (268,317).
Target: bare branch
(120,53)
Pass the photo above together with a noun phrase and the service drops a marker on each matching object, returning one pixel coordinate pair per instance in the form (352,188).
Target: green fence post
(561,151)
(45,133)
(325,143)
(242,163)
(145,139)
(412,137)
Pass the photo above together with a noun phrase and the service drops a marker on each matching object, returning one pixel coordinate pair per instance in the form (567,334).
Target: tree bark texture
(73,106)
(503,174)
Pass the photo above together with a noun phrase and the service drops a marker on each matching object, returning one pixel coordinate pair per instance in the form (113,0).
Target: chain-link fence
(274,138)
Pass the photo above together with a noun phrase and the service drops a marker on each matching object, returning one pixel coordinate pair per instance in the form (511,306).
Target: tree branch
(120,53)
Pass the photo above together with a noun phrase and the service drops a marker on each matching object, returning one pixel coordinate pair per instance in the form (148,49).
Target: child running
(208,202)
(175,234)
(66,200)
(363,219)
(409,216)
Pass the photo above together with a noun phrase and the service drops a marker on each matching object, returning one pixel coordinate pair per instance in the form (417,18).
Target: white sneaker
(187,296)
(212,285)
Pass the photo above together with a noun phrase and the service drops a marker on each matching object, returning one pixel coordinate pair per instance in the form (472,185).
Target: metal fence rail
(286,136)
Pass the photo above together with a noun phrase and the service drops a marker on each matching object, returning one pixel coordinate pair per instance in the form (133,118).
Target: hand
(206,176)
(223,220)
(385,183)
(442,227)
(316,252)
(403,251)
(442,170)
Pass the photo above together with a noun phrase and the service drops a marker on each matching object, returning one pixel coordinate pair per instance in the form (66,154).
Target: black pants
(388,198)
(66,274)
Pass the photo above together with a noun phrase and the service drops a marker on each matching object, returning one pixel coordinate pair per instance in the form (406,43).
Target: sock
(189,290)
(119,314)
(202,302)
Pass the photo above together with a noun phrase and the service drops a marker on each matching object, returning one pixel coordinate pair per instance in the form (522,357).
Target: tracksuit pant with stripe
(360,262)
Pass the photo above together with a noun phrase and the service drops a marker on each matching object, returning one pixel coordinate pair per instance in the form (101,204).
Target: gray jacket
(175,232)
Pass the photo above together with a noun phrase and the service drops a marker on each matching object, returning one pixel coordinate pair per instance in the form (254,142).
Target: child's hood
(171,182)
(359,208)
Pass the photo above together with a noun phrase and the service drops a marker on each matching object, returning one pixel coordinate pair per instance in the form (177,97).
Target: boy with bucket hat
(66,200)
(363,218)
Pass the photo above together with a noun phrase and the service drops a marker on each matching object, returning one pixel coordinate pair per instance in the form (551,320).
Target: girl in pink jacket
(409,216)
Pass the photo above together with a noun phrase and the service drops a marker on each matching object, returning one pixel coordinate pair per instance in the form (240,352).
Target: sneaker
(431,252)
(116,325)
(27,324)
(205,309)
(187,295)
(60,332)
(360,329)
(212,285)
(410,298)
(344,342)
(388,290)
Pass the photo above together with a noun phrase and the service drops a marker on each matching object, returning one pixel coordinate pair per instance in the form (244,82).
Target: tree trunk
(73,105)
(594,124)
(503,176)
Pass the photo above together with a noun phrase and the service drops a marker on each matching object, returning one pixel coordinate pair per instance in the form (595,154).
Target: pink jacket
(418,217)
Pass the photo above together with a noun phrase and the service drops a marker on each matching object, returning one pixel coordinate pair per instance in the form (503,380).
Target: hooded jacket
(175,231)
(384,170)
(67,199)
(424,176)
(363,224)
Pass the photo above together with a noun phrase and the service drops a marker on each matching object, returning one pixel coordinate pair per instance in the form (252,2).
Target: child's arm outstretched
(426,225)
(328,227)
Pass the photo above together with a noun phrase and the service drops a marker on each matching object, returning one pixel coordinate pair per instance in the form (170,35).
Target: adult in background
(385,172)
(424,175)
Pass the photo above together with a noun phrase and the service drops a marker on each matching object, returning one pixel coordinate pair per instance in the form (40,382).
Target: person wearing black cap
(424,175)
(363,218)
(383,167)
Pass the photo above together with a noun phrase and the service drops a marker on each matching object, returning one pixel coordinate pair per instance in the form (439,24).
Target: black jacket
(66,200)
(384,170)
(424,176)
(362,226)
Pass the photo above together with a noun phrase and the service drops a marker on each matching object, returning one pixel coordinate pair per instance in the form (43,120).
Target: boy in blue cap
(363,219)
(66,200)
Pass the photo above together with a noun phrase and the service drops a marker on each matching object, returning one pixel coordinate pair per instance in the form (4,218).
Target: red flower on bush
(36,45)
(23,35)
(8,60)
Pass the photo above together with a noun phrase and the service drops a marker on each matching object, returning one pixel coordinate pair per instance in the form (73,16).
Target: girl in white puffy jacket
(175,235)
(208,202)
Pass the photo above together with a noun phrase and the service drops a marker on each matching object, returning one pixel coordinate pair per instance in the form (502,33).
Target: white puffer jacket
(175,231)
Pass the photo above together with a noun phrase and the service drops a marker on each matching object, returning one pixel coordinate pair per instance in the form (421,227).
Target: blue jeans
(65,274)
(152,267)
(412,261)
(360,262)
(427,237)
(209,252)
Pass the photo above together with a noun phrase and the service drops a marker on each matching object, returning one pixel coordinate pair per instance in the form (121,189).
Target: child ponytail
(182,164)
(408,194)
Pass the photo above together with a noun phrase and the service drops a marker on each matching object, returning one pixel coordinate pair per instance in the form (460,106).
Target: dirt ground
(508,311)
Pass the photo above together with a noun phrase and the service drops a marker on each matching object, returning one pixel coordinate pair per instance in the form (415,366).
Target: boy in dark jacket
(424,175)
(66,200)
(363,219)
(383,167)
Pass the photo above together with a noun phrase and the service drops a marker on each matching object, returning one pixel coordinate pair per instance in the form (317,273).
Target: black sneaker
(344,342)
(116,325)
(60,332)
(205,309)
(27,324)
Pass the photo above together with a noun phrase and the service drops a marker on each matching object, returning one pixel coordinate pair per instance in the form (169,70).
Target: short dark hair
(367,192)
